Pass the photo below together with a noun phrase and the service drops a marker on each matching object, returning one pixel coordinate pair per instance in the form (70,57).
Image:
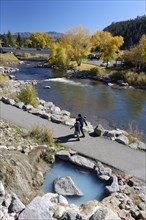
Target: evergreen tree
(19,40)
(10,39)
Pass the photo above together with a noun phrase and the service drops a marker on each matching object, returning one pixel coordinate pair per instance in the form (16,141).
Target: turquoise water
(86,180)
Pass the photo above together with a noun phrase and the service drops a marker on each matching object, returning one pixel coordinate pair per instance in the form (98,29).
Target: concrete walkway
(109,152)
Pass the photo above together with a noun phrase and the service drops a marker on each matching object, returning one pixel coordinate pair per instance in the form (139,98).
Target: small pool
(86,180)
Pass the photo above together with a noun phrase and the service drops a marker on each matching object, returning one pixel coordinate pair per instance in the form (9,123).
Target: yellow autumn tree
(137,54)
(77,43)
(59,55)
(107,44)
(40,40)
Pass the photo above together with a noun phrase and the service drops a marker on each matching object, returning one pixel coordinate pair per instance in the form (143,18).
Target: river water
(113,108)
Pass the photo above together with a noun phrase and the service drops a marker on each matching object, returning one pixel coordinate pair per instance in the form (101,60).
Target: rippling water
(98,102)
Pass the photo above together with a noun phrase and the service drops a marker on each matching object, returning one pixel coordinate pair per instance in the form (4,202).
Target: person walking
(82,122)
(77,127)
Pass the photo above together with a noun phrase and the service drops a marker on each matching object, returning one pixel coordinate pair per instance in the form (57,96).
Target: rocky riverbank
(23,164)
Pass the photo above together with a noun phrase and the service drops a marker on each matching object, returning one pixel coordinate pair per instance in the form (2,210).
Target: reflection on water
(86,180)
(98,102)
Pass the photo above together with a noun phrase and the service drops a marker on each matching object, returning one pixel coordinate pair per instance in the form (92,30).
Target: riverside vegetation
(23,163)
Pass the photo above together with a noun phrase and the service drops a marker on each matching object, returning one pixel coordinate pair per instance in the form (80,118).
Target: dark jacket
(82,121)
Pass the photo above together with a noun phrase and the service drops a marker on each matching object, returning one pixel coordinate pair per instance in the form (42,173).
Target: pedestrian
(82,122)
(77,129)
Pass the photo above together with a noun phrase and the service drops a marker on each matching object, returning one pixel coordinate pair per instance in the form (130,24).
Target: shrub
(96,71)
(42,135)
(135,78)
(28,95)
(3,78)
(133,133)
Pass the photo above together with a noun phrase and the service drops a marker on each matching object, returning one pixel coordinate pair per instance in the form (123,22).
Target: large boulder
(99,130)
(114,187)
(82,161)
(104,214)
(66,187)
(16,205)
(122,139)
(38,209)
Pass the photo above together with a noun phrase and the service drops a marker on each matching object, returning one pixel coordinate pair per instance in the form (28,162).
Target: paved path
(109,152)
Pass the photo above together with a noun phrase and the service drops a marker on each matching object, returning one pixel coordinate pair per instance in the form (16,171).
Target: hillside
(131,30)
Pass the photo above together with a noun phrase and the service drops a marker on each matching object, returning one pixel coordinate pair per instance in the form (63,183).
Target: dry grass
(7,57)
(133,133)
(42,135)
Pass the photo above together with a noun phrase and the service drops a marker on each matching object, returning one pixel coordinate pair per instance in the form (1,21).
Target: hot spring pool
(86,180)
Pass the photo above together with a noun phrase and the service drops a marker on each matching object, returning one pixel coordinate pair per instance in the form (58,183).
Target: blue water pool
(86,180)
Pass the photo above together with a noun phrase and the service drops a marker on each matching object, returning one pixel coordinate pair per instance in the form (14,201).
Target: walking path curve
(107,151)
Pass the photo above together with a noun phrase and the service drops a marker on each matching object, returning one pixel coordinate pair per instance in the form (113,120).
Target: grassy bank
(7,58)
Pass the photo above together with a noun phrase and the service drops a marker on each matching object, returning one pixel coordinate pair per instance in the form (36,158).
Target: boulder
(71,214)
(82,161)
(19,105)
(99,130)
(2,69)
(16,205)
(114,187)
(122,139)
(2,189)
(142,145)
(38,209)
(66,187)
(63,154)
(103,213)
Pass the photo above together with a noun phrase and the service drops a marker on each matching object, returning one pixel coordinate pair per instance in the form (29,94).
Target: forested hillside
(131,30)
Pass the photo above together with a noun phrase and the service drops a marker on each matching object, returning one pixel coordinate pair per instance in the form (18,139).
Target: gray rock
(57,119)
(45,115)
(27,107)
(114,187)
(82,161)
(71,215)
(99,130)
(16,205)
(133,145)
(66,113)
(38,209)
(11,148)
(63,154)
(3,147)
(2,189)
(62,200)
(142,146)
(142,206)
(103,171)
(2,69)
(19,105)
(66,187)
(122,139)
(104,214)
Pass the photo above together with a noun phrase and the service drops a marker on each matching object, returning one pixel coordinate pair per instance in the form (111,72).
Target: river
(113,108)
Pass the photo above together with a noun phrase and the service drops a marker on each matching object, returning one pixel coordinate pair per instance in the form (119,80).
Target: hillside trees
(131,30)
(107,45)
